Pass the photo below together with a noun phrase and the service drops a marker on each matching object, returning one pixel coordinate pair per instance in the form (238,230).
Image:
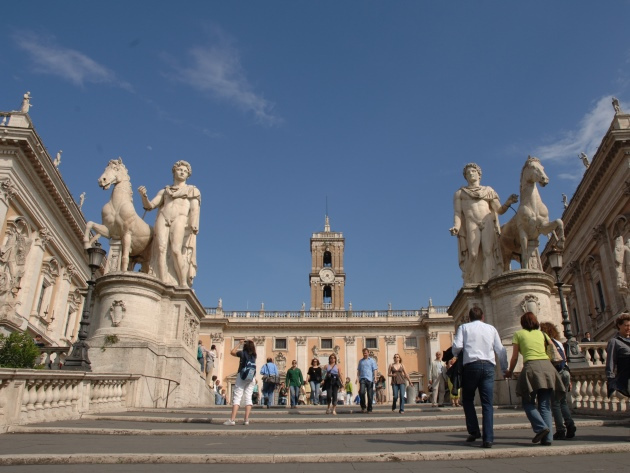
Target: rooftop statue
(519,236)
(616,106)
(120,220)
(476,225)
(584,159)
(26,103)
(174,259)
(57,160)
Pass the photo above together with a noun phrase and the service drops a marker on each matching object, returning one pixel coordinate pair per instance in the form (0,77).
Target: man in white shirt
(479,341)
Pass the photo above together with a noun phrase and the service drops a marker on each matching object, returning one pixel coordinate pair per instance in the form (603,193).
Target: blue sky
(280,105)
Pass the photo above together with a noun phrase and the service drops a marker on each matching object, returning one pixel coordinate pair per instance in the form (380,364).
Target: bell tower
(327,278)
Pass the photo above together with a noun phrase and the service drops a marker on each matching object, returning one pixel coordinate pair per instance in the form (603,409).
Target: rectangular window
(280,344)
(327,343)
(370,343)
(600,293)
(411,342)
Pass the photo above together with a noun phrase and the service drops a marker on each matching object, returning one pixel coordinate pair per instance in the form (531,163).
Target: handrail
(168,388)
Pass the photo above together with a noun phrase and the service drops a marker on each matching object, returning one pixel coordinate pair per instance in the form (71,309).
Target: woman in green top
(537,380)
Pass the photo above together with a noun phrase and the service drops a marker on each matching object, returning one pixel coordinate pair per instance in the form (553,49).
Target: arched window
(327,259)
(327,302)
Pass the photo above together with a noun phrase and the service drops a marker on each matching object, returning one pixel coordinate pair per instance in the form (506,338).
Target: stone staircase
(146,437)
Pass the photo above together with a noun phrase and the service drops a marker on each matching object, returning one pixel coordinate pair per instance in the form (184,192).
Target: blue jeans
(560,409)
(267,390)
(540,417)
(315,392)
(399,390)
(366,387)
(478,375)
(200,360)
(295,394)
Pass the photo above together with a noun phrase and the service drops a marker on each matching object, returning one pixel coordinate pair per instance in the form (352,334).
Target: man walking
(366,374)
(294,381)
(437,380)
(479,342)
(269,373)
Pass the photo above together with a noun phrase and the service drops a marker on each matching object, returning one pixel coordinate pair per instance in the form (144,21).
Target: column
(32,271)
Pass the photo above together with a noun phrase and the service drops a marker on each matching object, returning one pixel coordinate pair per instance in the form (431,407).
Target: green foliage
(18,351)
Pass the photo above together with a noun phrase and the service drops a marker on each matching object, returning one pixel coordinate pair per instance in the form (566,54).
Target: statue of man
(26,103)
(476,224)
(584,159)
(176,227)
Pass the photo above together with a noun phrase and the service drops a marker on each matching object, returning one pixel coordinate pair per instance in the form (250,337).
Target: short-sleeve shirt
(531,344)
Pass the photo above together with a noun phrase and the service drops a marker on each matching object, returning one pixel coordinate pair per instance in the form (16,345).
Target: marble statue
(519,236)
(81,200)
(174,259)
(565,202)
(220,305)
(13,255)
(57,160)
(476,226)
(616,106)
(584,159)
(26,102)
(120,220)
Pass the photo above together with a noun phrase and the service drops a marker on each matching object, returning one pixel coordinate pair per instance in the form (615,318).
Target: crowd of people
(542,383)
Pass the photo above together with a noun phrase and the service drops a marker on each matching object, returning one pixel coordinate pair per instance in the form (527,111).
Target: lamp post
(78,359)
(573,353)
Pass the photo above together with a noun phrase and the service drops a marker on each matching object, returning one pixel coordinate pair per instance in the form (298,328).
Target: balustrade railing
(53,358)
(215,312)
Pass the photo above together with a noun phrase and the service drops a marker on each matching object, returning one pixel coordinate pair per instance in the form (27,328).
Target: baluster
(597,392)
(26,407)
(56,391)
(584,392)
(576,397)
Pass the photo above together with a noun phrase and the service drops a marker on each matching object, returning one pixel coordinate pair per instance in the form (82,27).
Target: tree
(18,351)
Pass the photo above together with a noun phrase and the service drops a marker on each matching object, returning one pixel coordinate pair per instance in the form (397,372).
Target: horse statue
(519,236)
(120,220)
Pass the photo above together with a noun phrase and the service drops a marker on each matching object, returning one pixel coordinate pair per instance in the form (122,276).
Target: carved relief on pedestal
(390,339)
(191,328)
(349,340)
(117,312)
(281,361)
(433,335)
(531,304)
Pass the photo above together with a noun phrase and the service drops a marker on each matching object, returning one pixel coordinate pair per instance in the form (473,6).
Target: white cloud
(217,70)
(69,64)
(586,138)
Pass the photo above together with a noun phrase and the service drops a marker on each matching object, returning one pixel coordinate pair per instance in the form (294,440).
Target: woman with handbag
(270,377)
(332,383)
(538,379)
(314,378)
(618,357)
(246,351)
(398,374)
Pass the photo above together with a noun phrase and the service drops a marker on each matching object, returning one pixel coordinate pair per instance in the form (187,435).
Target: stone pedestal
(504,299)
(141,326)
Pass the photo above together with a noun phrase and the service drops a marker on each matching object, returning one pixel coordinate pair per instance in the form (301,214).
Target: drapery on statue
(476,225)
(174,258)
(531,220)
(120,220)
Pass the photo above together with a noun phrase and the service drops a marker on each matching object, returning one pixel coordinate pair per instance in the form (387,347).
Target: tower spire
(327,221)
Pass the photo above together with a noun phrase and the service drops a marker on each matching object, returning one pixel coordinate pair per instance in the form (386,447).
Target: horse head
(533,173)
(114,173)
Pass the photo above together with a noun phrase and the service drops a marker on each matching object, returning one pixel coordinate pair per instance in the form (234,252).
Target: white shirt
(480,341)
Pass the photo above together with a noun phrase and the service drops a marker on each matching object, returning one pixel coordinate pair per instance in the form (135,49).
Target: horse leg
(557,228)
(101,230)
(125,250)
(524,256)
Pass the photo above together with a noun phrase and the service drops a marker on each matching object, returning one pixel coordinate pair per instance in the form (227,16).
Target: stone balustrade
(217,312)
(53,358)
(589,393)
(594,352)
(29,396)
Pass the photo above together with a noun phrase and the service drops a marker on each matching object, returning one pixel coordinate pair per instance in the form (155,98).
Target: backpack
(248,371)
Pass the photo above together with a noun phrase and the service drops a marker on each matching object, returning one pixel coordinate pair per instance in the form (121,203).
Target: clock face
(327,275)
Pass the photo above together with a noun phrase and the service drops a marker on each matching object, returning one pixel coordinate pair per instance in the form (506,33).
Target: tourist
(269,372)
(302,395)
(618,357)
(246,352)
(255,394)
(480,342)
(349,389)
(294,381)
(565,426)
(332,383)
(201,355)
(437,380)
(314,377)
(211,356)
(538,379)
(397,372)
(380,389)
(282,395)
(366,374)
(451,389)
